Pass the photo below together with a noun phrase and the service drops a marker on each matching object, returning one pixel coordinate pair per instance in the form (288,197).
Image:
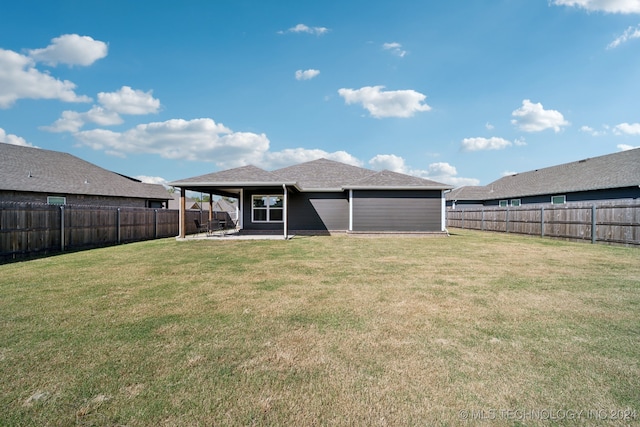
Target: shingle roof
(37,170)
(316,175)
(243,175)
(323,174)
(394,180)
(617,170)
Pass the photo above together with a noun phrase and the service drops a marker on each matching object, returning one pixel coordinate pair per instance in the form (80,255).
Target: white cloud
(123,101)
(71,49)
(630,33)
(591,131)
(379,103)
(508,173)
(489,126)
(493,143)
(388,161)
(198,139)
(608,6)
(20,79)
(625,147)
(152,180)
(439,171)
(129,101)
(306,74)
(627,129)
(8,138)
(395,48)
(291,156)
(534,118)
(302,28)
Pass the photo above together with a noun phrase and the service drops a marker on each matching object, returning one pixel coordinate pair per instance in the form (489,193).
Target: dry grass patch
(321,331)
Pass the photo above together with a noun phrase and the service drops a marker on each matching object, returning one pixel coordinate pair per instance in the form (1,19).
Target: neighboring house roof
(316,175)
(190,203)
(617,170)
(29,169)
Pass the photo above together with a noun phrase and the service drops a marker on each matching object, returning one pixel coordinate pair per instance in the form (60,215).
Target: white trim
(350,210)
(284,212)
(443,213)
(241,210)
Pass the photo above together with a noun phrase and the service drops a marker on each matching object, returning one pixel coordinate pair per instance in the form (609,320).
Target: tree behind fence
(607,222)
(32,228)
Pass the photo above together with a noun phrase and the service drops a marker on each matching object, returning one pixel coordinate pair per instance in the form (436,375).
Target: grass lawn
(476,328)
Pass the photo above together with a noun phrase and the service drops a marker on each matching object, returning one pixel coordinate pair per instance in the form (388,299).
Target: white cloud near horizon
(202,140)
(440,171)
(607,6)
(625,147)
(19,79)
(627,129)
(480,144)
(302,28)
(124,101)
(12,139)
(71,49)
(629,34)
(534,118)
(395,48)
(381,103)
(307,74)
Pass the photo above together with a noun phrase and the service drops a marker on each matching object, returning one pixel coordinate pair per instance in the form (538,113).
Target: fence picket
(615,222)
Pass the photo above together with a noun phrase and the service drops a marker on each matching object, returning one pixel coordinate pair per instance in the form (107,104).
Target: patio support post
(210,208)
(182,219)
(443,212)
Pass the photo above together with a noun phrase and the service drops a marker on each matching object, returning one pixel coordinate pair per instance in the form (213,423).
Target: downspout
(350,210)
(443,210)
(285,215)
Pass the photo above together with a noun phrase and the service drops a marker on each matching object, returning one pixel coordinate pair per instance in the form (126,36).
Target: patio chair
(202,228)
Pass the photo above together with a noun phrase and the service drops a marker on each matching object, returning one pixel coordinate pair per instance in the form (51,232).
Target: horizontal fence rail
(28,229)
(614,223)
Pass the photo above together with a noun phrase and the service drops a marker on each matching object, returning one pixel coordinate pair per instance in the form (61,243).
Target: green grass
(323,331)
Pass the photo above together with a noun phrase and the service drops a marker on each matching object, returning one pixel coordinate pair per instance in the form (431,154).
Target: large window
(56,200)
(267,208)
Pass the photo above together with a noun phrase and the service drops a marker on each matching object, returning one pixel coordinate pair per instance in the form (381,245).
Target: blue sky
(460,92)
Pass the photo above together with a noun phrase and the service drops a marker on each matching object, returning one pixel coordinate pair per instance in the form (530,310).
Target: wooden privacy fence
(603,222)
(33,228)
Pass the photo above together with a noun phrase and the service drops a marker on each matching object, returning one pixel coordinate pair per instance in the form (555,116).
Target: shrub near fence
(617,222)
(32,228)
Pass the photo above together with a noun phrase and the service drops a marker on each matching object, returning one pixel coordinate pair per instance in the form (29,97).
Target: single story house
(610,177)
(29,174)
(325,196)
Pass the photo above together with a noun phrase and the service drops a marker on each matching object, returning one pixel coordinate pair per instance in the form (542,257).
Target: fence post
(463,219)
(506,225)
(118,224)
(593,223)
(155,223)
(62,245)
(542,221)
(482,224)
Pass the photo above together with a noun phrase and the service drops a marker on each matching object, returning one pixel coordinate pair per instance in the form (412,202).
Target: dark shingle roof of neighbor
(318,175)
(617,170)
(32,169)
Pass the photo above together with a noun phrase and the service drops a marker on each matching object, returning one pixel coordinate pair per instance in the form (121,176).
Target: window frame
(564,199)
(515,203)
(55,200)
(503,203)
(267,209)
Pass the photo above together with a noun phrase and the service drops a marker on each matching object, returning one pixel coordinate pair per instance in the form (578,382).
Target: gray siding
(319,211)
(397,210)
